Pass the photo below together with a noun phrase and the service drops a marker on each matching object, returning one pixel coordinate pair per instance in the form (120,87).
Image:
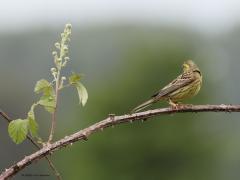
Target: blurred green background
(123,65)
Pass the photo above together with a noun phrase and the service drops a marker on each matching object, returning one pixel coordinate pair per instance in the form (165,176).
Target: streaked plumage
(184,86)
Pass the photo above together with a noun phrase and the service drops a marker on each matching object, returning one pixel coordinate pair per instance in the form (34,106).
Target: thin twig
(55,171)
(110,121)
(53,124)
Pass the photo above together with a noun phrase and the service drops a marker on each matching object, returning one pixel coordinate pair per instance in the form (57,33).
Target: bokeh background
(126,50)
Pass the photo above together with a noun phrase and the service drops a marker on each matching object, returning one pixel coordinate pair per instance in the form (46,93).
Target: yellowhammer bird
(184,86)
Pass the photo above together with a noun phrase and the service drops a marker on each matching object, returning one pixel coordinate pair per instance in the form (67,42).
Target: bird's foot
(178,105)
(173,105)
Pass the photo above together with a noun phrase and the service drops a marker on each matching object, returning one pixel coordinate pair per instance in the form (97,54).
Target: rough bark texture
(110,121)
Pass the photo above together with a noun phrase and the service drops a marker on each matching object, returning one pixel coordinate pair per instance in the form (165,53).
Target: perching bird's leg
(172,104)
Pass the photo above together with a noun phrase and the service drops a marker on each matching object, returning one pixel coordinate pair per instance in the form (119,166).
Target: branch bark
(53,168)
(110,121)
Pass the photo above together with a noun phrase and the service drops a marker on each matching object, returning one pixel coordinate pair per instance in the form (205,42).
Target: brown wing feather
(179,82)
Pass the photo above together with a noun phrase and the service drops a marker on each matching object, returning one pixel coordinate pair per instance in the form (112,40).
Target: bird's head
(189,65)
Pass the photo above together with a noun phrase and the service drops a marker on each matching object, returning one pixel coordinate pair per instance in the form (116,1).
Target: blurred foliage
(123,66)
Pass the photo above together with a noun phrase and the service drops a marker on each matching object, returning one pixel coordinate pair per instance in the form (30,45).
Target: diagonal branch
(110,121)
(57,174)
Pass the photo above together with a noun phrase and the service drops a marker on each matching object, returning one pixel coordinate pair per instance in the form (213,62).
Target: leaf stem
(53,125)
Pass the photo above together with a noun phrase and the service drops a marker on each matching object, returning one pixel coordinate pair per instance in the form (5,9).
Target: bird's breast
(187,91)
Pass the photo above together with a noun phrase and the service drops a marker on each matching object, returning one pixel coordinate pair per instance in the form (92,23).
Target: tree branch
(55,171)
(110,121)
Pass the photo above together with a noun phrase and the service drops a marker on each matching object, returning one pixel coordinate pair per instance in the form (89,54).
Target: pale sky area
(204,15)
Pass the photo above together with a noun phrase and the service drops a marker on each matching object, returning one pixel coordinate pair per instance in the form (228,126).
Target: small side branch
(110,121)
(53,168)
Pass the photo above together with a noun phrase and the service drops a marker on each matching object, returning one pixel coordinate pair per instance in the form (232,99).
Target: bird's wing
(177,83)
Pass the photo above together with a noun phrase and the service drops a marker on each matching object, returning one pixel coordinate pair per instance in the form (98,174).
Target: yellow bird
(184,86)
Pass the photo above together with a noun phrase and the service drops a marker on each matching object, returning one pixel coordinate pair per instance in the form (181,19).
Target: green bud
(68,26)
(54,53)
(65,48)
(53,70)
(59,60)
(57,45)
(66,58)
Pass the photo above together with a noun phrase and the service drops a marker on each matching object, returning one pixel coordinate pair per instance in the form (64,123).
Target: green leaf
(43,86)
(74,78)
(33,126)
(17,130)
(82,93)
(48,102)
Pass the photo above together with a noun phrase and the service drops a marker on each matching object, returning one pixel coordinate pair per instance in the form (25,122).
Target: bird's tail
(143,105)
